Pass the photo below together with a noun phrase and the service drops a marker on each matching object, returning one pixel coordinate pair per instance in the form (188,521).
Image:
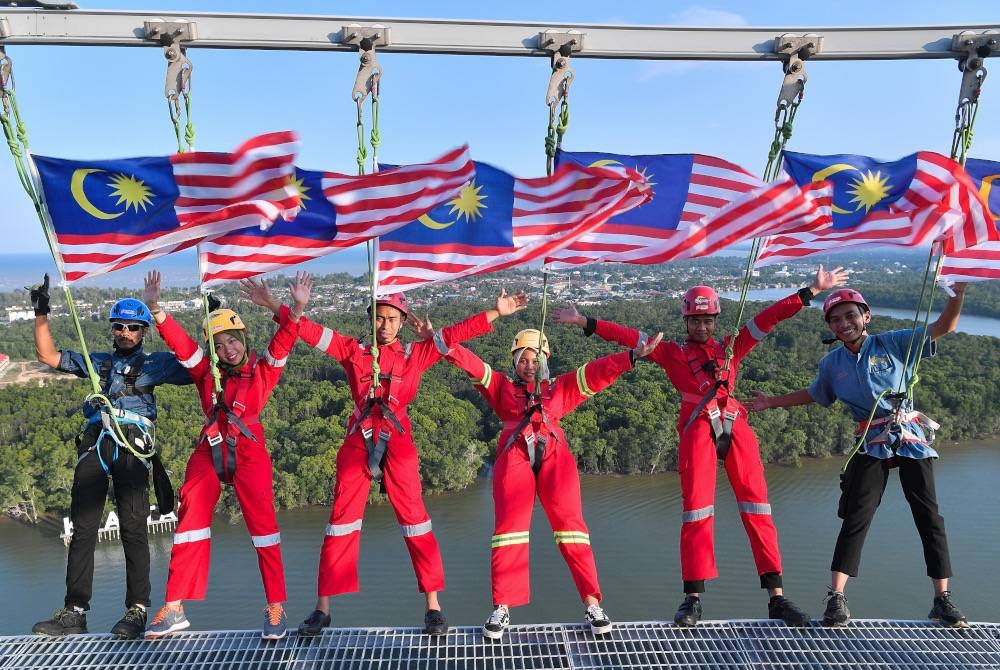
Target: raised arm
(259,294)
(45,347)
(948,320)
(151,296)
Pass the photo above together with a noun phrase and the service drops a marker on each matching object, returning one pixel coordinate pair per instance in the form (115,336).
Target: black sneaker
(435,623)
(132,625)
(780,607)
(66,621)
(836,612)
(689,613)
(314,623)
(947,613)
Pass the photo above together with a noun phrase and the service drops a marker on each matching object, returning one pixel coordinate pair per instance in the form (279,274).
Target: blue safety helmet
(130,309)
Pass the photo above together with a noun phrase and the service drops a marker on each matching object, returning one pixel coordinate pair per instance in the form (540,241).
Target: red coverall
(557,482)
(697,455)
(401,367)
(250,386)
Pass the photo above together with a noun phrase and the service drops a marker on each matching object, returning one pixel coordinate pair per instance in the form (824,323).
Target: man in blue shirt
(128,376)
(869,375)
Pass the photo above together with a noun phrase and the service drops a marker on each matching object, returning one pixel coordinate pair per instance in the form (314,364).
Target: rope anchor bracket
(794,50)
(4,27)
(366,38)
(560,45)
(972,49)
(169,34)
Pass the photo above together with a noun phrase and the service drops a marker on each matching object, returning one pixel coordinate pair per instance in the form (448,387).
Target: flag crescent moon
(830,170)
(431,223)
(603,162)
(985,191)
(76,188)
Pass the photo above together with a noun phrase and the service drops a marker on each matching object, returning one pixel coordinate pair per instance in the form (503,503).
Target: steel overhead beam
(491,38)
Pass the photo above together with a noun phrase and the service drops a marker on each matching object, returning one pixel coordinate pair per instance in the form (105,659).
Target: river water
(634,524)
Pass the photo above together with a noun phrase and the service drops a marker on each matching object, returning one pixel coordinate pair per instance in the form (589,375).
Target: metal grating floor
(711,645)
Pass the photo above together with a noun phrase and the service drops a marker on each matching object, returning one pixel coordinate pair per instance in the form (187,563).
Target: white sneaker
(598,620)
(497,623)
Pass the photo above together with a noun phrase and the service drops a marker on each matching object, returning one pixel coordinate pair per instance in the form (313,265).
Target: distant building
(18,314)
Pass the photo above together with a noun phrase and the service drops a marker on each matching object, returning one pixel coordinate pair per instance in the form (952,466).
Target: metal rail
(493,38)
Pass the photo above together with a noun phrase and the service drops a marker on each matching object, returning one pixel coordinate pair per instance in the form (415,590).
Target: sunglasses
(130,327)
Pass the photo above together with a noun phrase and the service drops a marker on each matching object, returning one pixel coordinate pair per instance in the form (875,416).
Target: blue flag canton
(481,215)
(133,196)
(317,218)
(986,175)
(861,185)
(669,176)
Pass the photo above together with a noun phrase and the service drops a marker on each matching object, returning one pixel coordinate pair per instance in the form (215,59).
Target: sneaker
(435,623)
(947,613)
(314,623)
(168,620)
(598,620)
(780,607)
(130,626)
(275,622)
(66,621)
(689,613)
(497,623)
(836,613)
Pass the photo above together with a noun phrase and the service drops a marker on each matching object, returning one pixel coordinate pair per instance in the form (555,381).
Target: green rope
(376,135)
(213,356)
(563,120)
(373,278)
(189,127)
(362,155)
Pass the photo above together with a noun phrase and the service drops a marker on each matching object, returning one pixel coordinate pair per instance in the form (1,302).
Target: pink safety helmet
(700,300)
(397,300)
(842,296)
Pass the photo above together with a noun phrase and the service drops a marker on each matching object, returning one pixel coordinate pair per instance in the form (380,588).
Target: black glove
(39,296)
(213,303)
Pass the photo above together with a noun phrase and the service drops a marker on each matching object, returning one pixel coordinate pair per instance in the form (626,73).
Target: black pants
(866,480)
(90,489)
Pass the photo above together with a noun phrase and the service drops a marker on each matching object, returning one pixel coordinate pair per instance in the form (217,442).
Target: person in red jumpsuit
(379,445)
(532,459)
(712,424)
(230,451)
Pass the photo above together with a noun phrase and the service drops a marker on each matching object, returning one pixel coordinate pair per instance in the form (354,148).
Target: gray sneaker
(598,619)
(947,613)
(836,613)
(168,620)
(497,623)
(275,622)
(66,621)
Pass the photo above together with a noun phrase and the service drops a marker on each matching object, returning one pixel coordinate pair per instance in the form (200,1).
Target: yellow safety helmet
(529,338)
(222,319)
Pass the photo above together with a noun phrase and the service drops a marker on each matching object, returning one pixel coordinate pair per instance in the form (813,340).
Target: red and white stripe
(548,213)
(378,203)
(941,205)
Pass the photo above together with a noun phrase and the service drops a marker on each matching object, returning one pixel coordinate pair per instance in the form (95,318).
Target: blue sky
(96,102)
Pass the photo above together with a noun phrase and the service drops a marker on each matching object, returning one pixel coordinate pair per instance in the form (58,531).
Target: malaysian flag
(981,261)
(110,214)
(338,211)
(499,221)
(919,199)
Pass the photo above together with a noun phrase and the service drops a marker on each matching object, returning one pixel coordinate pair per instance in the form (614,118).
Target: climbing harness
(535,444)
(710,377)
(362,415)
(223,445)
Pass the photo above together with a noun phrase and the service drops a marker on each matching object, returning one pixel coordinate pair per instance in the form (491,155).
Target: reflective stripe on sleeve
(754,508)
(266,540)
(755,331)
(643,338)
(441,345)
(325,339)
(416,529)
(195,358)
(507,539)
(581,382)
(275,362)
(571,537)
(193,536)
(487,377)
(698,514)
(336,530)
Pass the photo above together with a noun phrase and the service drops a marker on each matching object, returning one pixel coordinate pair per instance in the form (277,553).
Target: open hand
(827,279)
(646,349)
(509,304)
(423,329)
(570,316)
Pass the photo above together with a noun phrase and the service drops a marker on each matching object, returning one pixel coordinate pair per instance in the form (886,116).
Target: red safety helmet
(700,300)
(842,296)
(397,300)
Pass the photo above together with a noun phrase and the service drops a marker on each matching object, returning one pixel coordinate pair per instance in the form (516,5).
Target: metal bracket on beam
(794,50)
(560,45)
(365,37)
(4,27)
(972,50)
(169,32)
(565,43)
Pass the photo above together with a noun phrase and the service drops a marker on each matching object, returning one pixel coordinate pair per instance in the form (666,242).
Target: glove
(39,295)
(213,303)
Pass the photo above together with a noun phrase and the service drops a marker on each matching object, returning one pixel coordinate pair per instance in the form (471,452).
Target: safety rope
(177,88)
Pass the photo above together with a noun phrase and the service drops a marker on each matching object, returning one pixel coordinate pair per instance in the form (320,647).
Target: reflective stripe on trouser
(190,557)
(697,465)
(558,488)
(338,563)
